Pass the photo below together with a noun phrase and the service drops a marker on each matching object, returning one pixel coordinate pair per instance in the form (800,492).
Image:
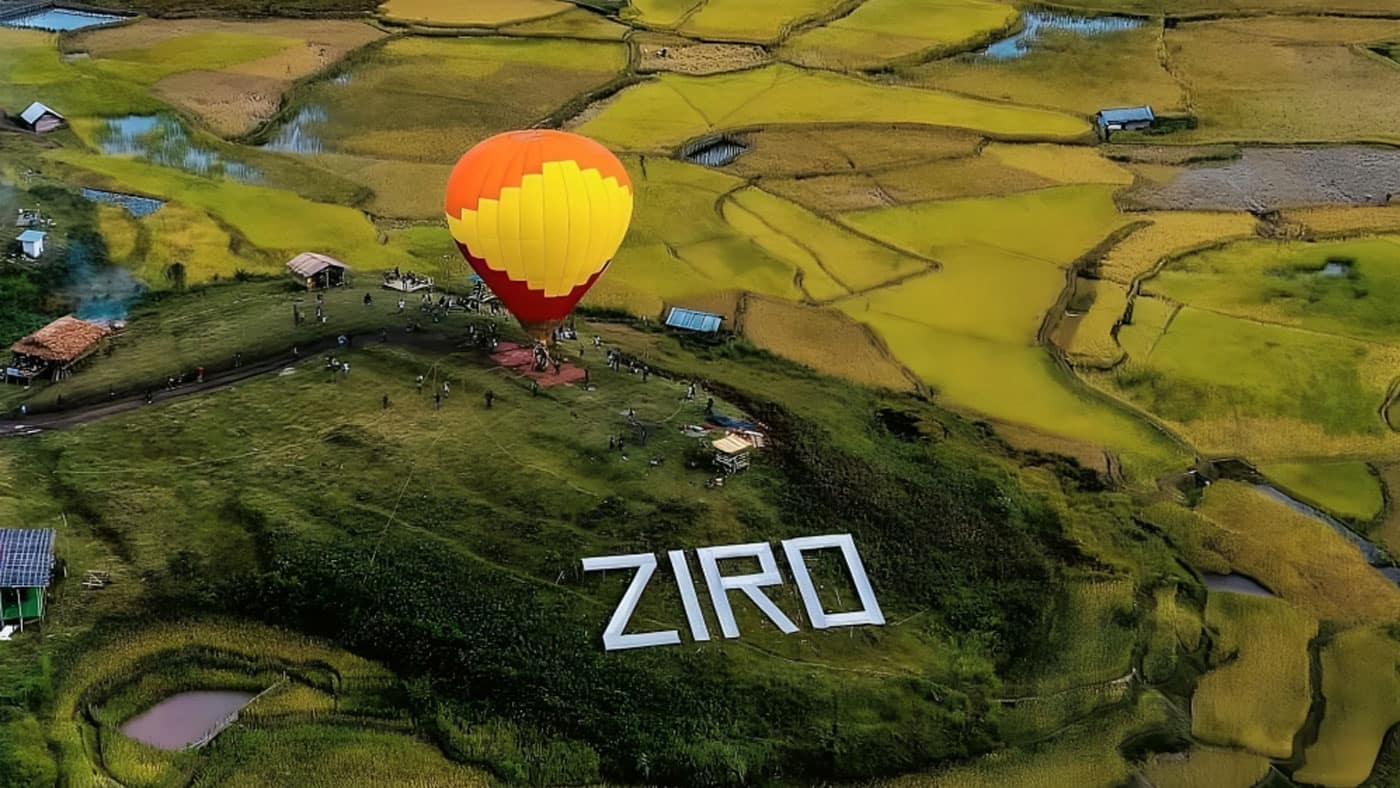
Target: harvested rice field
(231,75)
(479,13)
(665,112)
(881,31)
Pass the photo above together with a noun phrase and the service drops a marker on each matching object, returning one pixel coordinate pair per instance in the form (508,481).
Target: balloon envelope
(538,215)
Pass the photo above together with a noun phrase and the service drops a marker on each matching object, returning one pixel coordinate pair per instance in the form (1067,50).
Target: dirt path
(66,418)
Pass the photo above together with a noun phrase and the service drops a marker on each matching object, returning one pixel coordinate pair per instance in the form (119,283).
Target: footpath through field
(65,418)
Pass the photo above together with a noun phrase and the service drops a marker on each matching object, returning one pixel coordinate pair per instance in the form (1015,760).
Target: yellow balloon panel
(555,230)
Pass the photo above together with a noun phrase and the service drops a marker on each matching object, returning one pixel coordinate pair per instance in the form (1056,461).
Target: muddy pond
(1265,179)
(184,719)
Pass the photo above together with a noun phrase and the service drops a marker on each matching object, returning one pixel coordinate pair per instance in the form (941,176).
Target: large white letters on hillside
(752,585)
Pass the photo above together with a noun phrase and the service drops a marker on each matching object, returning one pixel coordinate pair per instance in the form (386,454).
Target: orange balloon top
(505,159)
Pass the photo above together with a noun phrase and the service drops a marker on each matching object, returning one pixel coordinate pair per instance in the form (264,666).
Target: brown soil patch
(701,58)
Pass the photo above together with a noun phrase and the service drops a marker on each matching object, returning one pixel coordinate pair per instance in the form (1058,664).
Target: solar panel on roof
(693,321)
(26,557)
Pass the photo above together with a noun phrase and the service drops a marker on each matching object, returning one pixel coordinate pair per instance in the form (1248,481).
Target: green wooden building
(26,567)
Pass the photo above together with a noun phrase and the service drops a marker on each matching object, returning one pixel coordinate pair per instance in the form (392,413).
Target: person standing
(446,389)
(437,401)
(420,384)
(199,375)
(385,404)
(490,397)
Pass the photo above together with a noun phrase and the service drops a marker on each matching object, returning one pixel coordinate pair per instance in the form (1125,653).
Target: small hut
(26,569)
(317,271)
(32,243)
(1124,119)
(55,349)
(693,320)
(732,453)
(41,119)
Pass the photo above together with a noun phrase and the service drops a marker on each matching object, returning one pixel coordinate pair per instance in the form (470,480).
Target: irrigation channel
(1376,556)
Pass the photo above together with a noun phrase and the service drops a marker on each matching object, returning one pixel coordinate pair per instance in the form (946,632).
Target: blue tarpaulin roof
(31,236)
(730,423)
(1126,115)
(691,320)
(26,557)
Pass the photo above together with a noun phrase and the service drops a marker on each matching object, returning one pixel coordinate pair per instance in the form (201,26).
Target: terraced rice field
(1260,696)
(1297,557)
(479,13)
(231,75)
(881,31)
(1359,712)
(660,114)
(1313,83)
(429,99)
(729,20)
(1206,767)
(1067,72)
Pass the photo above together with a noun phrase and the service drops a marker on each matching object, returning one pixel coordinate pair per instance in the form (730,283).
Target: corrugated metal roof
(30,236)
(692,320)
(1126,115)
(35,111)
(26,557)
(310,264)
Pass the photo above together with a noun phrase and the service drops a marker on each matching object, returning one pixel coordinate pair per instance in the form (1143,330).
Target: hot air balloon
(538,215)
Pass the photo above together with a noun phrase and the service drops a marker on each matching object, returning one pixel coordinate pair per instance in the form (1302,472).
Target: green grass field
(1259,695)
(1346,489)
(884,30)
(1293,284)
(1066,72)
(666,111)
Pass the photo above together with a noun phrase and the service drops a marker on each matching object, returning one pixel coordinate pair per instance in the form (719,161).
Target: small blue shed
(691,320)
(1125,119)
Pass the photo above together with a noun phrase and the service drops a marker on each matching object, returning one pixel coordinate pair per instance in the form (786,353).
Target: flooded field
(1265,179)
(1235,584)
(185,719)
(135,205)
(1037,23)
(163,140)
(299,135)
(60,20)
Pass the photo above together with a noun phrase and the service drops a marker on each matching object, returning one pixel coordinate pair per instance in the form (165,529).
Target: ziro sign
(751,585)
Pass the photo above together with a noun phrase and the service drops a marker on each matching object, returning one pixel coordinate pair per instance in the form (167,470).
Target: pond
(1235,584)
(60,20)
(1334,269)
(99,291)
(1038,22)
(715,153)
(1266,179)
(162,139)
(184,719)
(299,134)
(135,205)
